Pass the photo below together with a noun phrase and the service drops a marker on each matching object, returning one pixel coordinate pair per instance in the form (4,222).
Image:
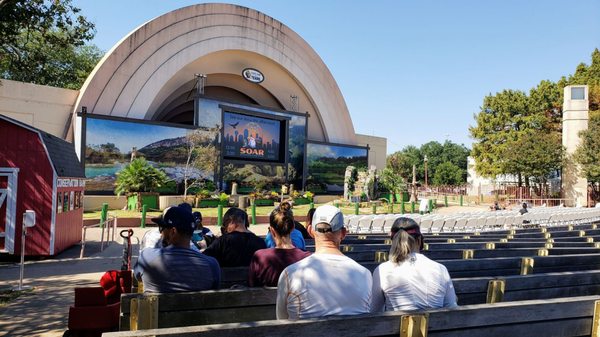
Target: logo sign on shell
(253,75)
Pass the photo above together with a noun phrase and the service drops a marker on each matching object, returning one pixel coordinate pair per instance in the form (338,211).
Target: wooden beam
(144,313)
(413,325)
(495,291)
(526,266)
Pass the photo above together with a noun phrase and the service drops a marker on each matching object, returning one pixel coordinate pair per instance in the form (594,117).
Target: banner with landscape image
(327,163)
(110,145)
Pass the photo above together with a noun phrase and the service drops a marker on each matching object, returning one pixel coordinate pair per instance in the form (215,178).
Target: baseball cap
(186,206)
(407,224)
(197,216)
(329,215)
(178,217)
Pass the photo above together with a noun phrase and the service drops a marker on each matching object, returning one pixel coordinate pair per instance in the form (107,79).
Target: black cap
(178,217)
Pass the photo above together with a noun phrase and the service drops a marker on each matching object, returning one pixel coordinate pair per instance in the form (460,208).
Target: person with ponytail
(409,280)
(267,264)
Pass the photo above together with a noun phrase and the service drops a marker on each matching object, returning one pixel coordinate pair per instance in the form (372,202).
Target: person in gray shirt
(175,267)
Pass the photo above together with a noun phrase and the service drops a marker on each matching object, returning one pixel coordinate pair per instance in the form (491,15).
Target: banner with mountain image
(111,144)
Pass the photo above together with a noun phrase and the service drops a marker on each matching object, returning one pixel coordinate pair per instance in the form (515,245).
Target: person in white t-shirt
(327,283)
(410,280)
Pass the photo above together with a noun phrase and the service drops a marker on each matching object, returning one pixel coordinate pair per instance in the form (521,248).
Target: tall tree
(201,158)
(588,152)
(43,42)
(447,173)
(401,162)
(506,123)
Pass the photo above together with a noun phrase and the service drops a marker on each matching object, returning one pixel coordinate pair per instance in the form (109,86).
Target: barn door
(8,208)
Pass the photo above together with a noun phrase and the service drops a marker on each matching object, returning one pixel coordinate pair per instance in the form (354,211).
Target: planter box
(404,196)
(206,203)
(264,202)
(301,201)
(148,199)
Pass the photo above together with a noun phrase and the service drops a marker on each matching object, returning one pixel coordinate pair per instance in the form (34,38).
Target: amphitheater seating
(253,304)
(572,316)
(481,221)
(490,257)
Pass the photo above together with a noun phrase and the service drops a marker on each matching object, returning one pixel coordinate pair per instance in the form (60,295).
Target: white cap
(329,215)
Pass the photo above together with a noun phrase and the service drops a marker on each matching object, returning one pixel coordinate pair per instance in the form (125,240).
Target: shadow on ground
(44,311)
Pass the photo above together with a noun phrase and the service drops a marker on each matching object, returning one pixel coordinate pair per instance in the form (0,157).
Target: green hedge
(264,202)
(301,201)
(206,203)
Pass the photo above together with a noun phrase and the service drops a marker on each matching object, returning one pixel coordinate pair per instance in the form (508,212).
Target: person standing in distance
(327,283)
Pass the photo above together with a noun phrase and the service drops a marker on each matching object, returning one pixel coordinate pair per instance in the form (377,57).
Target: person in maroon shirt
(267,264)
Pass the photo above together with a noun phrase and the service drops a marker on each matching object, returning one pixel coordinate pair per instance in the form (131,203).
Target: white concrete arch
(156,59)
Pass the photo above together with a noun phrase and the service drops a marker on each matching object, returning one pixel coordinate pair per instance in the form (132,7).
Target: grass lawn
(299,211)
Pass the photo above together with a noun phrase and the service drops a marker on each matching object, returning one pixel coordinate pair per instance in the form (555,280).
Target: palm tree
(139,176)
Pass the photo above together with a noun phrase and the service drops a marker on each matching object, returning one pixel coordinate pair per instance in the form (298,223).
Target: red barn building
(38,172)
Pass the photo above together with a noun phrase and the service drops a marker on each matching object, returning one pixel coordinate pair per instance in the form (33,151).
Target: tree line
(516,134)
(520,134)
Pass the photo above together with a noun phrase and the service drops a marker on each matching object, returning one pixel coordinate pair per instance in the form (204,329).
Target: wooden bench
(254,304)
(564,317)
(500,266)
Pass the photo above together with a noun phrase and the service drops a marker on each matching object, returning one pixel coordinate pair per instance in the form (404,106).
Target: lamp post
(425,160)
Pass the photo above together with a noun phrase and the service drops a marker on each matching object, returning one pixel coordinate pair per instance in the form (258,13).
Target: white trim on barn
(53,221)
(12,174)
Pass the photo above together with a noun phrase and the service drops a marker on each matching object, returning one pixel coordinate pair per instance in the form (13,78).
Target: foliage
(309,195)
(223,197)
(401,162)
(506,122)
(588,153)
(43,42)
(139,176)
(447,173)
(519,134)
(103,154)
(536,155)
(203,194)
(352,179)
(201,154)
(392,181)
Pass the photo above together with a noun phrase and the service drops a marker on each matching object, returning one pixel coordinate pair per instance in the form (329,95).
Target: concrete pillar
(575,119)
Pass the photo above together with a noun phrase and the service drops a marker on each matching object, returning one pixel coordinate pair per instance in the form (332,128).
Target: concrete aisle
(45,310)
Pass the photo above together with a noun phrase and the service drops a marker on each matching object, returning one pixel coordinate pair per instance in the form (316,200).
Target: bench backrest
(554,317)
(257,304)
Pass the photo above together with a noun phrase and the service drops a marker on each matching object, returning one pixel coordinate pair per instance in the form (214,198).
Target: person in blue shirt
(175,267)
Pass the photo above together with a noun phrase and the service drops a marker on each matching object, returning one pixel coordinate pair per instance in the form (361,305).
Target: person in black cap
(410,280)
(175,267)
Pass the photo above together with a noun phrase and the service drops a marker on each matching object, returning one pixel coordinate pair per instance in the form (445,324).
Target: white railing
(109,227)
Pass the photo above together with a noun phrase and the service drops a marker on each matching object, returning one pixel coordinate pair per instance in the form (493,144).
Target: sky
(125,137)
(412,71)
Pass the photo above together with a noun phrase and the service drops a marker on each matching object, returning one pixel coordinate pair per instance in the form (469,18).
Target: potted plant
(267,199)
(223,199)
(300,199)
(139,180)
(202,197)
